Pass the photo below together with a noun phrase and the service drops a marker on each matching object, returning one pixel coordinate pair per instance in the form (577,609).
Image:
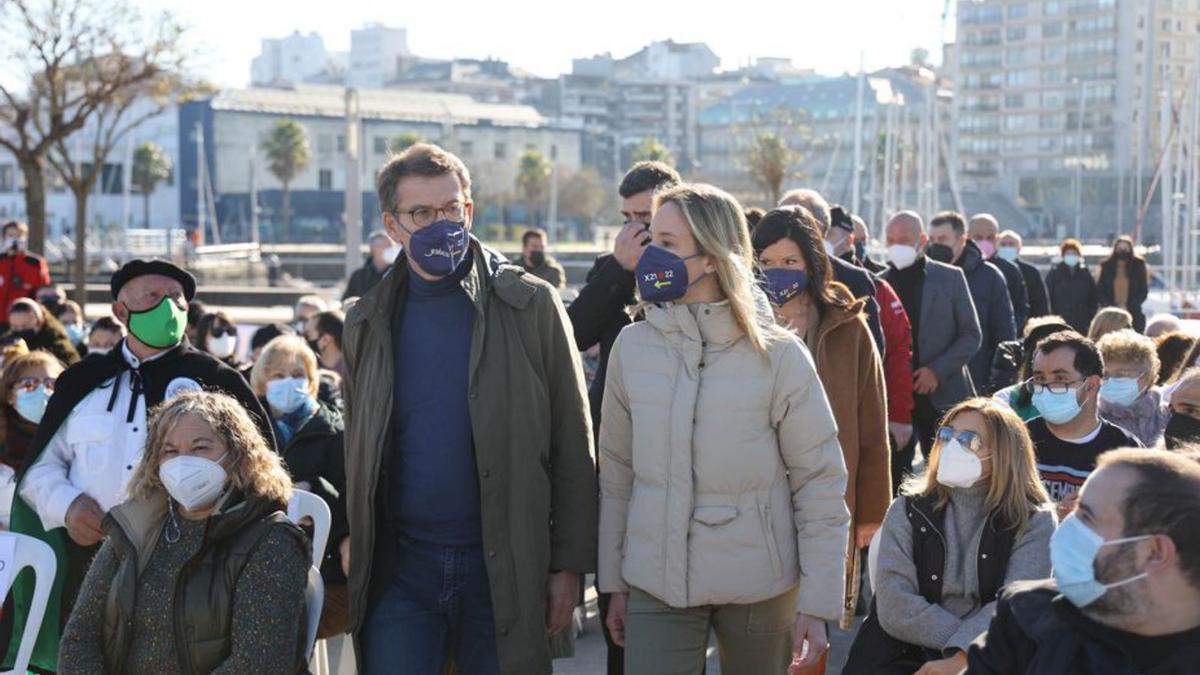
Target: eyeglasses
(969,440)
(425,216)
(30,384)
(1052,387)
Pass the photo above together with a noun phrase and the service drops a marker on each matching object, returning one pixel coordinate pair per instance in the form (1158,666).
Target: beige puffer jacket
(721,477)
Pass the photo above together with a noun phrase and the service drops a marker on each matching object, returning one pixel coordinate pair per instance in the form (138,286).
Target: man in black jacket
(383,253)
(983,230)
(1128,604)
(1009,248)
(837,241)
(602,307)
(949,244)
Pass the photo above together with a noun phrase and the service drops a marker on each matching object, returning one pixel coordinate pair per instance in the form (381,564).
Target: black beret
(140,268)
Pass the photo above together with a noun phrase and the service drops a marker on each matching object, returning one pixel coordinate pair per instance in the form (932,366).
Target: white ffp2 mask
(194,482)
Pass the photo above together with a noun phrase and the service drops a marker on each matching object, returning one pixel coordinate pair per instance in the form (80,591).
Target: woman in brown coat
(832,323)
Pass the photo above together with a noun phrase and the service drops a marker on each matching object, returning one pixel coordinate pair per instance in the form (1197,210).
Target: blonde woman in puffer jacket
(722,482)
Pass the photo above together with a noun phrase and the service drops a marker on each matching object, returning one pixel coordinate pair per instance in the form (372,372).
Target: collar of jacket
(141,520)
(490,271)
(835,315)
(971,257)
(704,325)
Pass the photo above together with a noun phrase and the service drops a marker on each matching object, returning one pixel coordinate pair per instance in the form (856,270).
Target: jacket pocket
(764,517)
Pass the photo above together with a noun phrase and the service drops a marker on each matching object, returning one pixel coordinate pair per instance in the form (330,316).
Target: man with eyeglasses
(470,490)
(1068,435)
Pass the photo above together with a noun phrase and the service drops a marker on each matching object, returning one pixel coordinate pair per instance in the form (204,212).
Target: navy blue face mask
(438,248)
(662,276)
(860,250)
(782,284)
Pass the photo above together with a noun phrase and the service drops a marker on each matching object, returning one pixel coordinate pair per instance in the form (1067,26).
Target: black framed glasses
(29,384)
(426,216)
(1052,387)
(969,440)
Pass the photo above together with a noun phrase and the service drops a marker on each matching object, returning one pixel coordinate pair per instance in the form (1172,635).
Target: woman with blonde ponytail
(722,481)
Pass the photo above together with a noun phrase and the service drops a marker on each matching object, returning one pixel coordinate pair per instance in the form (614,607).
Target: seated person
(105,335)
(33,323)
(978,520)
(1125,597)
(1128,396)
(311,435)
(203,541)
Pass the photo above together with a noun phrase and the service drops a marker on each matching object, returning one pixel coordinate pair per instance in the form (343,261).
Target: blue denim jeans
(438,604)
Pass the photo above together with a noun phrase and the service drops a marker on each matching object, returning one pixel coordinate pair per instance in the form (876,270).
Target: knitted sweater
(959,619)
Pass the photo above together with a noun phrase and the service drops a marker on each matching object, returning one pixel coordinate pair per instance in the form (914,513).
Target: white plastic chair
(305,504)
(873,558)
(314,599)
(35,553)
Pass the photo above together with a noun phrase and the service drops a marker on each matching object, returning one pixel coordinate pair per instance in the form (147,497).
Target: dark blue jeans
(437,604)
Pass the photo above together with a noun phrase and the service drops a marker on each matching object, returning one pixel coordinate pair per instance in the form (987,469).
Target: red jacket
(21,273)
(897,360)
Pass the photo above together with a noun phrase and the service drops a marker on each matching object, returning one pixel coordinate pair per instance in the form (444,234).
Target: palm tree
(287,149)
(533,178)
(651,150)
(769,162)
(151,164)
(405,141)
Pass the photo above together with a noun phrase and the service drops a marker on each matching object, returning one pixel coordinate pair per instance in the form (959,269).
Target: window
(381,145)
(1051,8)
(341,143)
(1016,34)
(325,179)
(553,151)
(325,143)
(500,151)
(1018,11)
(7,174)
(112,179)
(467,148)
(1014,101)
(1052,30)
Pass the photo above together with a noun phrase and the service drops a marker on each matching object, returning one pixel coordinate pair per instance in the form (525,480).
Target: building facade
(488,137)
(1058,101)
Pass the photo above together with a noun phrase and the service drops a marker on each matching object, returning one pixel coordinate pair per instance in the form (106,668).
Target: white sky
(542,36)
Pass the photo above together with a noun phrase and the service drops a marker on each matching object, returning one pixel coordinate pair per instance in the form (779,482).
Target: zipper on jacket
(764,519)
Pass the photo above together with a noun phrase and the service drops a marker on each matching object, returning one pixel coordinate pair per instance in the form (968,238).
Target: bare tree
(81,166)
(62,61)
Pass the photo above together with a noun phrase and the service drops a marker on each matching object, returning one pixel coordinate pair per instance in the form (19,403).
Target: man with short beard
(1125,597)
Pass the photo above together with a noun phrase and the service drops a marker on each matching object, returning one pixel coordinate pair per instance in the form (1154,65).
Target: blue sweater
(433,486)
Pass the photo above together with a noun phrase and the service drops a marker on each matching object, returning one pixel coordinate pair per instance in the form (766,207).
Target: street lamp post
(1079,158)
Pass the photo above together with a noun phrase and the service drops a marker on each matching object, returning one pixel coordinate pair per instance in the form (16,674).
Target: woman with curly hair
(200,569)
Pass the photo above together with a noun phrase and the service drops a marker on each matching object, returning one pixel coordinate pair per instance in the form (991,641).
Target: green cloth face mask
(160,326)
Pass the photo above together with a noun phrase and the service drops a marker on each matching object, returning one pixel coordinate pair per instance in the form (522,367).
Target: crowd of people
(960,463)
